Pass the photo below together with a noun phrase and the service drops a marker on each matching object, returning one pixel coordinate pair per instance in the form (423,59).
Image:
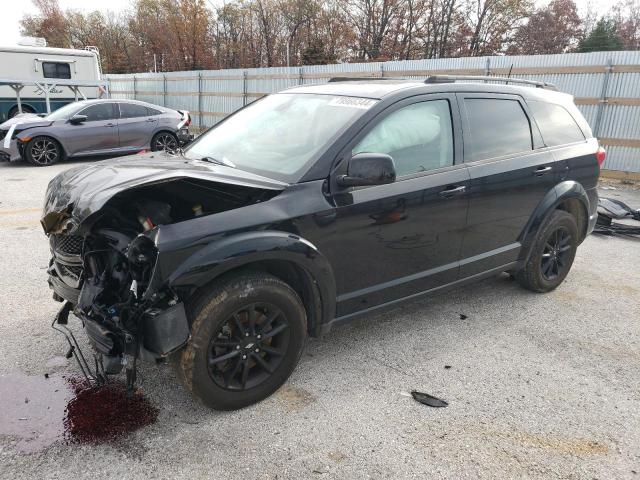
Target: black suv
(309,208)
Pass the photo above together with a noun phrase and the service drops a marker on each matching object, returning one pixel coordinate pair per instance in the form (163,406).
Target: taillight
(188,120)
(601,154)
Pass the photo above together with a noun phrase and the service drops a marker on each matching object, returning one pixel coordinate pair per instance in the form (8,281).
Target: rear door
(510,173)
(136,125)
(98,134)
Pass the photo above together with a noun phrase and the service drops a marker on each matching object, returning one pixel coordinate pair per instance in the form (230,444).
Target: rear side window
(131,110)
(153,111)
(56,70)
(497,127)
(556,124)
(101,111)
(418,137)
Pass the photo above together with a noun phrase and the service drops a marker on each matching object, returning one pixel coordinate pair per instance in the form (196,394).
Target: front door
(98,134)
(136,125)
(511,171)
(392,241)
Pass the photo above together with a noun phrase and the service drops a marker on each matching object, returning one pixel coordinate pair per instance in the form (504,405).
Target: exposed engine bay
(104,269)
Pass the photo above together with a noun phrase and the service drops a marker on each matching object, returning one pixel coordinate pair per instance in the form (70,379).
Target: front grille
(68,244)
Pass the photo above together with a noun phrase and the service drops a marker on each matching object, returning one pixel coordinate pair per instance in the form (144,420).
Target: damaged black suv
(311,207)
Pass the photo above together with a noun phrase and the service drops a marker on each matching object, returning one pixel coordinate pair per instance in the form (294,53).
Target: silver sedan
(93,127)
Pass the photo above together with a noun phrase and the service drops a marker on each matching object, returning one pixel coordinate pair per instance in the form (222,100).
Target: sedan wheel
(165,141)
(43,151)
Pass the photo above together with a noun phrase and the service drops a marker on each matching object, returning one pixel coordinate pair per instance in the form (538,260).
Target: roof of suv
(380,88)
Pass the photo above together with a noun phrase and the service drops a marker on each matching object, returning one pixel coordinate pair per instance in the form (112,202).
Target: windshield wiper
(224,161)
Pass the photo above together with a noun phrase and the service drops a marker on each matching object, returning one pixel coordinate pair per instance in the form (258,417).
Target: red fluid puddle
(104,414)
(39,411)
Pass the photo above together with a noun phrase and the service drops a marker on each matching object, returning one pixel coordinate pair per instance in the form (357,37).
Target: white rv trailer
(38,79)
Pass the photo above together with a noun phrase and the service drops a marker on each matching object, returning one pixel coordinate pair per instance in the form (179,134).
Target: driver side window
(419,137)
(100,111)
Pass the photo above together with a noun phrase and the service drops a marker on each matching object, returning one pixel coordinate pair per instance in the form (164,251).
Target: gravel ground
(539,386)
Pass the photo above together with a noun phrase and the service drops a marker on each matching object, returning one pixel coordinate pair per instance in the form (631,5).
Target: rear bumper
(592,194)
(184,136)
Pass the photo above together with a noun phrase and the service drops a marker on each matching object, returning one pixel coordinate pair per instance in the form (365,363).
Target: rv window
(56,70)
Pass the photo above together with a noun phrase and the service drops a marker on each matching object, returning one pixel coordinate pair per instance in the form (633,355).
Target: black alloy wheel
(43,151)
(556,253)
(551,254)
(248,330)
(248,347)
(165,141)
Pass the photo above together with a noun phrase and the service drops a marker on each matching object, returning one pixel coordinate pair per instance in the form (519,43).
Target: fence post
(135,86)
(602,101)
(200,101)
(487,68)
(164,90)
(244,88)
(300,76)
(382,70)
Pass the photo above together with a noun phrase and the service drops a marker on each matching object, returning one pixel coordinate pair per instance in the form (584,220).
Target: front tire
(42,151)
(552,253)
(247,335)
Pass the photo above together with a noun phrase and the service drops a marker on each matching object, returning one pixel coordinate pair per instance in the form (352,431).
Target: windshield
(281,135)
(64,112)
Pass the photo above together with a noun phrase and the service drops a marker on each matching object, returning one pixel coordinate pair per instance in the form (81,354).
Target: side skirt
(389,305)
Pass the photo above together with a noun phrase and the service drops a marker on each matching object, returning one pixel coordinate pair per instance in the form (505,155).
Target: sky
(11,11)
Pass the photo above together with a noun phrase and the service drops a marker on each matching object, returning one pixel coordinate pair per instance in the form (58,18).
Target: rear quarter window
(556,124)
(497,127)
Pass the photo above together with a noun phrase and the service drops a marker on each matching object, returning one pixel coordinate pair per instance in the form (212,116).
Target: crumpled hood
(77,193)
(28,120)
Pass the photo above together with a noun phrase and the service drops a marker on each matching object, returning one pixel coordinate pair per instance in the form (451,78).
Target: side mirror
(369,169)
(76,119)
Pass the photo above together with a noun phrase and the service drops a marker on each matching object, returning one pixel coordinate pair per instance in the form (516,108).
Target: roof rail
(356,79)
(454,78)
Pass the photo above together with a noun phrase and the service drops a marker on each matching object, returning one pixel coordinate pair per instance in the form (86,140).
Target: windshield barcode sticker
(353,102)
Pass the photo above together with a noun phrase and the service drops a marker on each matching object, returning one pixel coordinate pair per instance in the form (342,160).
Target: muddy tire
(247,335)
(552,253)
(42,151)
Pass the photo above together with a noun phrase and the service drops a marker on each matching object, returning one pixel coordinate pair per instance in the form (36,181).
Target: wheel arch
(36,132)
(285,256)
(569,196)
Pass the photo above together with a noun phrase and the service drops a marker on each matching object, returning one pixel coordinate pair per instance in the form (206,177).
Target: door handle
(110,125)
(151,119)
(538,172)
(453,191)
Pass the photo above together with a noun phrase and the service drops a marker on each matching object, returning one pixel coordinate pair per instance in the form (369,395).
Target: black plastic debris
(427,399)
(463,316)
(447,367)
(610,209)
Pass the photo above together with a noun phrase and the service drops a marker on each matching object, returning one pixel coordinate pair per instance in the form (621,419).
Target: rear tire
(552,253)
(247,335)
(164,141)
(42,151)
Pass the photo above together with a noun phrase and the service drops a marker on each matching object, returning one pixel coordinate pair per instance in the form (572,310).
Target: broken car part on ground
(610,209)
